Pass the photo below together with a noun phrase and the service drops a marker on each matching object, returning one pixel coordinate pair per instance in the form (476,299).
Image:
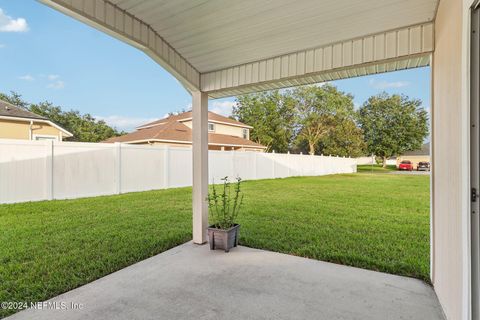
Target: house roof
(172,129)
(187,116)
(8,110)
(423,151)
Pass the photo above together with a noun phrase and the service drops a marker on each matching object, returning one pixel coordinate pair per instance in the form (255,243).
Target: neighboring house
(223,133)
(421,155)
(19,123)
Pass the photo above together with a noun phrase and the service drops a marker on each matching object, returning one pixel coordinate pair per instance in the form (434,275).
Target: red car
(405,165)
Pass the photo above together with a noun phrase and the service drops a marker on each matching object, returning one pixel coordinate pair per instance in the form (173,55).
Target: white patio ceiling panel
(215,34)
(228,47)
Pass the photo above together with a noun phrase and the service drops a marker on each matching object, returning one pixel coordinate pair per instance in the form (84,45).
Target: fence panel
(23,171)
(141,168)
(42,170)
(83,170)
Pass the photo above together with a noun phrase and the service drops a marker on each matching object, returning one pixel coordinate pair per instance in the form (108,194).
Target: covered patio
(218,48)
(190,282)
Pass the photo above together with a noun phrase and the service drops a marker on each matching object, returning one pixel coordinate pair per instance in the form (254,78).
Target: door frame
(475,159)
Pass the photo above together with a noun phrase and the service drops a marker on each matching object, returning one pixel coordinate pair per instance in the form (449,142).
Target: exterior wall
(224,129)
(450,169)
(415,160)
(20,130)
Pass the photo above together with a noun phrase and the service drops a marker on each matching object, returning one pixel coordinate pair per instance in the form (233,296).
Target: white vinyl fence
(45,170)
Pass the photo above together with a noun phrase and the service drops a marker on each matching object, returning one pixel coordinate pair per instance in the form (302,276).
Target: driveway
(425,173)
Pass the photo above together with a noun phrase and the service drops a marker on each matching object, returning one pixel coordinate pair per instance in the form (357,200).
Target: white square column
(200,166)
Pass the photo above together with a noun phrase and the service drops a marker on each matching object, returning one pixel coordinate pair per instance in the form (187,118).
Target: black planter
(223,239)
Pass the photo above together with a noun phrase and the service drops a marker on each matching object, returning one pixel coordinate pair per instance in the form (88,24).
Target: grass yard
(373,221)
(376,168)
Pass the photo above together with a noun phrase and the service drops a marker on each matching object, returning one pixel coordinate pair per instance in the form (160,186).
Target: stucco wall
(20,129)
(448,176)
(223,129)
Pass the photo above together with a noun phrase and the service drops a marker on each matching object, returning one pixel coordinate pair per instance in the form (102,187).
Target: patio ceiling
(227,47)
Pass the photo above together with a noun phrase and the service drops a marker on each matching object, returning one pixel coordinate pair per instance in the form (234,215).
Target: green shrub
(224,208)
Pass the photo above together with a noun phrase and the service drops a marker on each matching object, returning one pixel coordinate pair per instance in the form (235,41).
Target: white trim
(237,145)
(465,161)
(190,119)
(220,122)
(432,173)
(156,140)
(189,142)
(49,136)
(151,125)
(147,40)
(68,134)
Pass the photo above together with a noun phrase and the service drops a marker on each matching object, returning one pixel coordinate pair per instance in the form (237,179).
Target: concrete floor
(192,282)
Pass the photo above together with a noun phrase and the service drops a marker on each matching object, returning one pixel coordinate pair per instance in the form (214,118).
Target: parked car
(406,165)
(423,166)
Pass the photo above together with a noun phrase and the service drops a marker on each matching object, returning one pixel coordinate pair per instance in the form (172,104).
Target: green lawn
(373,221)
(376,168)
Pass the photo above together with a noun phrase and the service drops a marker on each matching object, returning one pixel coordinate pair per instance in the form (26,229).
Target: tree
(345,139)
(393,124)
(271,114)
(84,128)
(14,98)
(319,109)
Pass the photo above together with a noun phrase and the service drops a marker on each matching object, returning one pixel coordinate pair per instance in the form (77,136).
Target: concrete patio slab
(192,282)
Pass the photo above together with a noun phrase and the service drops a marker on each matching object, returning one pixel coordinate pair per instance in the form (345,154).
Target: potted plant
(224,209)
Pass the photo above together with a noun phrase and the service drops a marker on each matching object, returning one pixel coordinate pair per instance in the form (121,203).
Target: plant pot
(223,239)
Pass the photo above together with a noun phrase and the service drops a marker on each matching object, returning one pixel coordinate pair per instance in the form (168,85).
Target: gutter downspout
(30,136)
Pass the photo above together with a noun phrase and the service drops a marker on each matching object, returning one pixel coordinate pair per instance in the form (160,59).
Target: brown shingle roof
(9,110)
(423,151)
(185,116)
(173,130)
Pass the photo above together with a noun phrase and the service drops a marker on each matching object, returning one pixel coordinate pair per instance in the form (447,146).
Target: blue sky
(45,55)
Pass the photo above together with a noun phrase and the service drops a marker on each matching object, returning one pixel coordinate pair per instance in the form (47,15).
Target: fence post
(273,164)
(49,169)
(118,167)
(166,166)
(254,165)
(233,164)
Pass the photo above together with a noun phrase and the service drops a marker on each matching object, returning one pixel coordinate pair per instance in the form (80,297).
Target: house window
(245,134)
(44,137)
(211,127)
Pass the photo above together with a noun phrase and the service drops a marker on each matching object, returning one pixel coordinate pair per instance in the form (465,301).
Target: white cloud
(9,24)
(57,85)
(26,77)
(222,107)
(2,45)
(123,122)
(385,84)
(52,77)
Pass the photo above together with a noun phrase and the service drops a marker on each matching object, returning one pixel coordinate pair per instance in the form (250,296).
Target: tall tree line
(84,127)
(322,120)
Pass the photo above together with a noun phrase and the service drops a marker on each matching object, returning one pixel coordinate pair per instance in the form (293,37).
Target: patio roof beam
(118,23)
(399,49)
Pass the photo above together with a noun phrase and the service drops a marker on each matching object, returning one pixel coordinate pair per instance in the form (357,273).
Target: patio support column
(200,165)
